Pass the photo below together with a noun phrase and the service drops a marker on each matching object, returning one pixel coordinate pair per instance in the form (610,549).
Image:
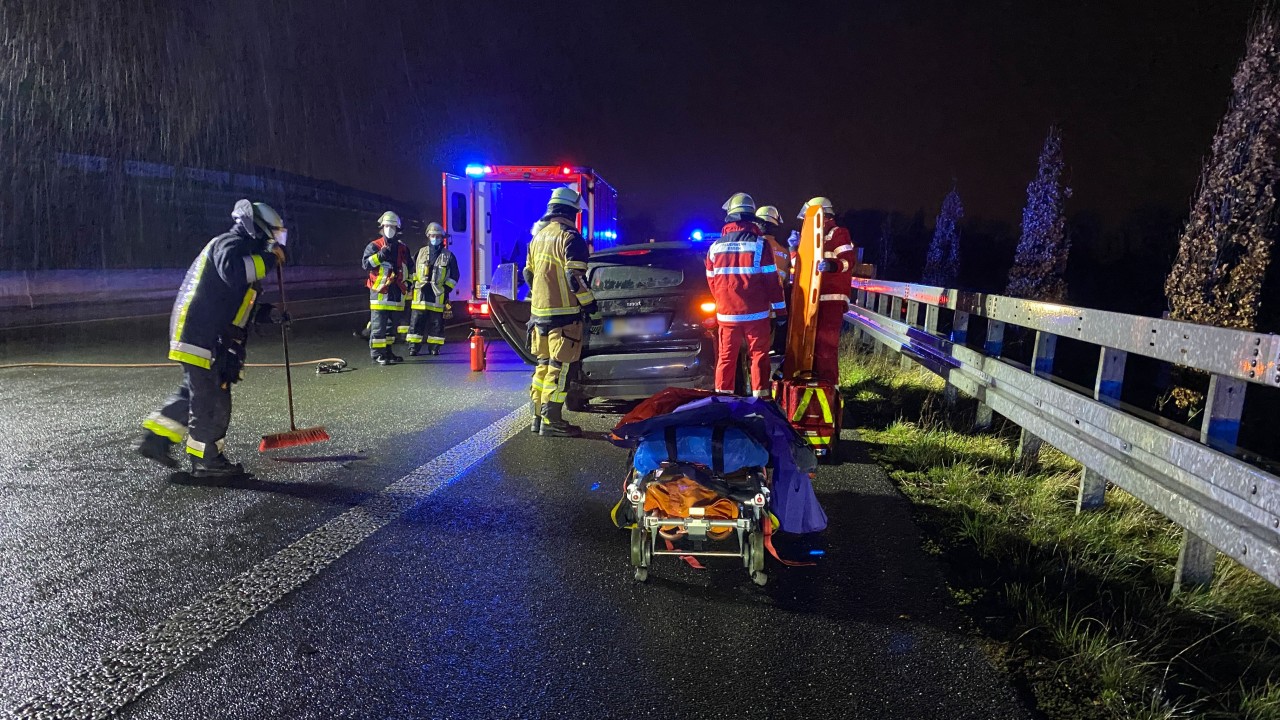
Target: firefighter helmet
(740,203)
(389,218)
(769,214)
(567,196)
(822,202)
(259,219)
(436,229)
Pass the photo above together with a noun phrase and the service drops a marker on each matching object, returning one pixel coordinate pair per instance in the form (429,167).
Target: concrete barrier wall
(51,296)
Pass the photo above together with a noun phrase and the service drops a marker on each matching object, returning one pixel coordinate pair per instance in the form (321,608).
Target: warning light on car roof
(476,171)
(696,236)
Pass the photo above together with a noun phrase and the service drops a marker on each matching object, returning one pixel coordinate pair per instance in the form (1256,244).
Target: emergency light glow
(566,170)
(476,171)
(696,236)
(708,307)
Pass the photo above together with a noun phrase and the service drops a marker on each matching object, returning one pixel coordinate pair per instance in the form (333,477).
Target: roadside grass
(1077,606)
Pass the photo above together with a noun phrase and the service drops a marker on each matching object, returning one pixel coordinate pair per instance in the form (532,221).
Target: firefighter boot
(554,425)
(217,466)
(155,448)
(537,417)
(414,349)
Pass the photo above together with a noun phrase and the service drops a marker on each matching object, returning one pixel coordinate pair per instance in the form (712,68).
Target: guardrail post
(992,347)
(913,316)
(882,307)
(959,334)
(1220,429)
(1041,364)
(1106,388)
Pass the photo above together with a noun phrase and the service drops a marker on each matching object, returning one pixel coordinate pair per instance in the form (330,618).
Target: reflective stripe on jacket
(838,246)
(217,296)
(556,271)
(743,276)
(387,280)
(434,279)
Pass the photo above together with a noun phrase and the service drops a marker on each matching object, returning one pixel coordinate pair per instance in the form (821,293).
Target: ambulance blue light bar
(696,236)
(476,171)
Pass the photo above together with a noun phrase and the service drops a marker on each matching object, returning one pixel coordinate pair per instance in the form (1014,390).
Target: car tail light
(480,308)
(707,307)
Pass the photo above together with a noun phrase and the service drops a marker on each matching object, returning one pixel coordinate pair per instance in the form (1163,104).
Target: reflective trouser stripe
(379,342)
(197,448)
(433,340)
(167,428)
(402,329)
(414,339)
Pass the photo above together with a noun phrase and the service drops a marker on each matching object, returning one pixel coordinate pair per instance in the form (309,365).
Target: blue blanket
(696,445)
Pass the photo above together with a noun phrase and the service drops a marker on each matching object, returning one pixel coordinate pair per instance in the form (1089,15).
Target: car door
(510,316)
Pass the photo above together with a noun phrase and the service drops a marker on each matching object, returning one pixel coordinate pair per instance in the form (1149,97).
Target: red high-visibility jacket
(743,276)
(838,246)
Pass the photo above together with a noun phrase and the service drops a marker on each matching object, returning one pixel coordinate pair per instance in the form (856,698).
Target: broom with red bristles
(305,436)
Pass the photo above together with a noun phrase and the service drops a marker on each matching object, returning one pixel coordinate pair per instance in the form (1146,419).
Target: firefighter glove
(597,323)
(827,266)
(386,254)
(233,363)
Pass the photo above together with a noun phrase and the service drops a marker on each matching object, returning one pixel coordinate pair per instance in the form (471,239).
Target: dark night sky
(874,103)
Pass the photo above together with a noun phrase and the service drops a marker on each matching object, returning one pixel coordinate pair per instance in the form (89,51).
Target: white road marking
(145,662)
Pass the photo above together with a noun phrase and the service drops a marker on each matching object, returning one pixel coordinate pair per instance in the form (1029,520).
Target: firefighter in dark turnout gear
(435,275)
(556,272)
(207,334)
(387,261)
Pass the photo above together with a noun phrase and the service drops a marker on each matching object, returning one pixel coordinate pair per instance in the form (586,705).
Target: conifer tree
(884,262)
(942,265)
(1040,262)
(1225,248)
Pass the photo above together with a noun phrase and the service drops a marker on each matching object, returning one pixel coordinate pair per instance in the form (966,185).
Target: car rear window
(634,277)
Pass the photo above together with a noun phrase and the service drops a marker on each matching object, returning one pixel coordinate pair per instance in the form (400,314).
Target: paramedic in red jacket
(838,258)
(744,285)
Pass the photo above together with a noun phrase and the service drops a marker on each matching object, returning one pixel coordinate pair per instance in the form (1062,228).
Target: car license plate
(635,325)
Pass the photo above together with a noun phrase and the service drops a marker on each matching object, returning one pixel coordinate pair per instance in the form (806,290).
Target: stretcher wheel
(637,545)
(755,544)
(759,578)
(642,574)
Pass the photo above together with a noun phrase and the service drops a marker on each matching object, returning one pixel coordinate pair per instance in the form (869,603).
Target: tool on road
(294,436)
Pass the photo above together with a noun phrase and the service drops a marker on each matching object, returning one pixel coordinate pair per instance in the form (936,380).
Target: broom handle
(284,337)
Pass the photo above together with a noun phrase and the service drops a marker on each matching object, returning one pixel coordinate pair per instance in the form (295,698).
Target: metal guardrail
(1222,503)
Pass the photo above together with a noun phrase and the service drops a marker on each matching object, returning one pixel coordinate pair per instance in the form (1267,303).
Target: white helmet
(389,218)
(822,202)
(567,196)
(436,228)
(260,219)
(769,214)
(740,203)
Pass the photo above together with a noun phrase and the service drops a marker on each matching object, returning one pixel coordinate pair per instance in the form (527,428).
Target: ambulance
(489,212)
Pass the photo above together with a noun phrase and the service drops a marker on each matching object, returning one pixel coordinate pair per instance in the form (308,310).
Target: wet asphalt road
(491,591)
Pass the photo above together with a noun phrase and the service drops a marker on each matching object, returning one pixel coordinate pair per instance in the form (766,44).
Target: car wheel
(575,401)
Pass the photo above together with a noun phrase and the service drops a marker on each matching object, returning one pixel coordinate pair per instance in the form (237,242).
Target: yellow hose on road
(171,363)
